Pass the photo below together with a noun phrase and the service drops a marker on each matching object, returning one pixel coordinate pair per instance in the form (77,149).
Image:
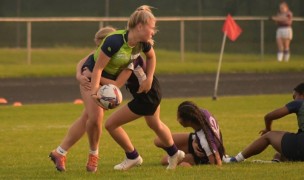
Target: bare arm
(273,115)
(83,80)
(280,18)
(121,79)
(276,114)
(79,66)
(283,18)
(100,64)
(151,64)
(215,160)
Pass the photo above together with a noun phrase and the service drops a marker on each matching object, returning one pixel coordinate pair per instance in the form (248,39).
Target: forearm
(218,159)
(120,80)
(151,64)
(268,123)
(281,19)
(276,114)
(215,159)
(95,80)
(79,66)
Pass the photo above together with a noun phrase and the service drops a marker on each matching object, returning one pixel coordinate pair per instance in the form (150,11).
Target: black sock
(132,155)
(171,150)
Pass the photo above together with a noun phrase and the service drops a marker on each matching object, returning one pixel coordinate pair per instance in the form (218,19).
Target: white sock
(286,55)
(61,151)
(280,56)
(239,157)
(94,152)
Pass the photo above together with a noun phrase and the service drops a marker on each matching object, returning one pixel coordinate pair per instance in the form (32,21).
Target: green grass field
(56,62)
(28,133)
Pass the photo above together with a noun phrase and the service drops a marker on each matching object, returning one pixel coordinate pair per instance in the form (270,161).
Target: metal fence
(201,34)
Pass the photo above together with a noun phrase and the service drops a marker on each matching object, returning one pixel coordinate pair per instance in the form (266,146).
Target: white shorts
(284,33)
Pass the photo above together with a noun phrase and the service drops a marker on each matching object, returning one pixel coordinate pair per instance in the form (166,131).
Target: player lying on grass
(205,145)
(289,146)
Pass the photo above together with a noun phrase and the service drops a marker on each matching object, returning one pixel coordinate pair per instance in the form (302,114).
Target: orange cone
(78,101)
(3,101)
(17,104)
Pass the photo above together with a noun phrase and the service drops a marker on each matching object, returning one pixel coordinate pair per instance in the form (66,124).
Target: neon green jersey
(115,46)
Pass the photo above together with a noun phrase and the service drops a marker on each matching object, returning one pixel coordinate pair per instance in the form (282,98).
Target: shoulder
(295,105)
(206,113)
(113,43)
(114,39)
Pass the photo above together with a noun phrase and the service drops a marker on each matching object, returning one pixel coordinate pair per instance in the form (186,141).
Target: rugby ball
(109,96)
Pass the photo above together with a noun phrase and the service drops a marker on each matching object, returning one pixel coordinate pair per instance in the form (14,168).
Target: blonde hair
(142,15)
(102,33)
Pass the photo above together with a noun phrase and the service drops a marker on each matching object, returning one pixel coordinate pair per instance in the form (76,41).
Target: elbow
(266,117)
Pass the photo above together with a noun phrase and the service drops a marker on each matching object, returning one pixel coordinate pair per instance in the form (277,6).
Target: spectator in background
(284,31)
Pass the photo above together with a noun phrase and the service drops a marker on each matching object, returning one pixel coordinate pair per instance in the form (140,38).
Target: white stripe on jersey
(203,142)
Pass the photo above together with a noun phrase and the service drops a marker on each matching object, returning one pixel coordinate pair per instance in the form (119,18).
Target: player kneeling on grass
(289,146)
(205,145)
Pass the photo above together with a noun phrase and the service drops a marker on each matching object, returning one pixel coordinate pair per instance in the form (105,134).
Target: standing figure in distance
(284,31)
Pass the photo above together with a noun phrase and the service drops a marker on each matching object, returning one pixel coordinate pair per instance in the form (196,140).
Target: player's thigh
(181,140)
(275,139)
(286,43)
(280,43)
(94,112)
(120,117)
(154,121)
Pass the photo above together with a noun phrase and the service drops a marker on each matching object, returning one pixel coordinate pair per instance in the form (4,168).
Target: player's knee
(95,120)
(109,126)
(155,126)
(268,136)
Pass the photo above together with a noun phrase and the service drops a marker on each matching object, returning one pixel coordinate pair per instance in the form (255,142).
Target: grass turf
(58,62)
(28,133)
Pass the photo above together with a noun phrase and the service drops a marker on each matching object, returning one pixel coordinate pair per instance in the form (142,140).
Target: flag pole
(219,67)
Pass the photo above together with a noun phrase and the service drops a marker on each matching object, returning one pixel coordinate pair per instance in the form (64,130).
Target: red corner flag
(231,29)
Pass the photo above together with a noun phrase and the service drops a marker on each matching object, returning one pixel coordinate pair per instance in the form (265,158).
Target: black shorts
(293,146)
(197,160)
(145,104)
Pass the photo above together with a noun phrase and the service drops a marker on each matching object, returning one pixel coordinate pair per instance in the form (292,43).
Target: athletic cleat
(229,159)
(92,163)
(129,163)
(58,159)
(175,159)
